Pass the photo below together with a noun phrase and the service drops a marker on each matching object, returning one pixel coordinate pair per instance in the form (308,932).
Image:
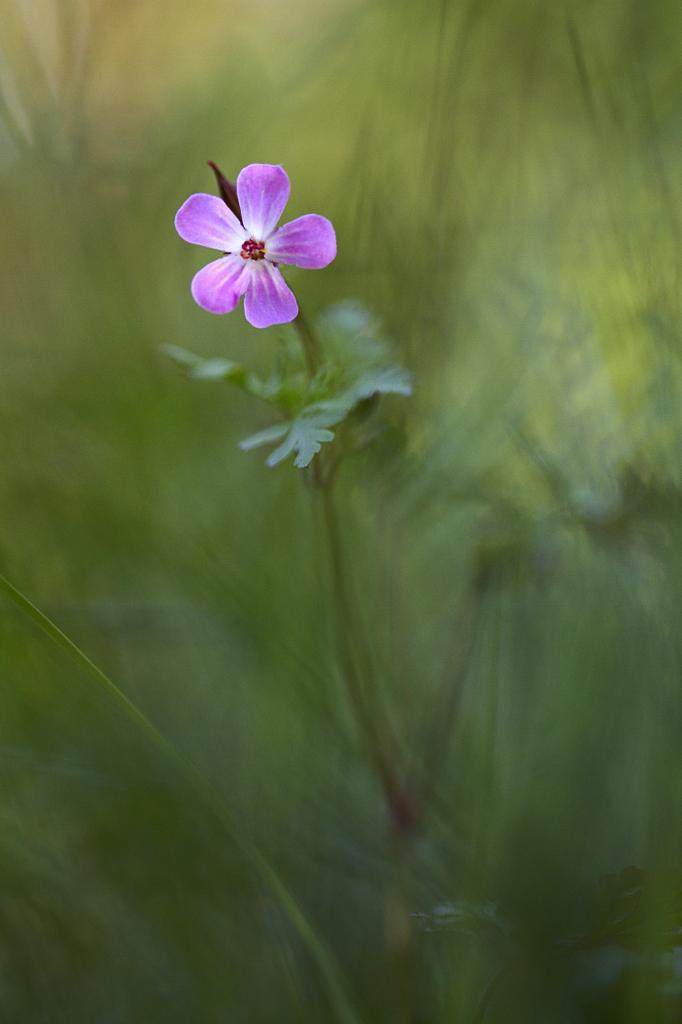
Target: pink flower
(253,250)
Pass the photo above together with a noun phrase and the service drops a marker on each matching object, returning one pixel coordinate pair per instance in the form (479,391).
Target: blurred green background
(504,177)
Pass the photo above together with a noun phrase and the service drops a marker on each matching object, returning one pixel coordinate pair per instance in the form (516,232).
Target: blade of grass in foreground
(340,1002)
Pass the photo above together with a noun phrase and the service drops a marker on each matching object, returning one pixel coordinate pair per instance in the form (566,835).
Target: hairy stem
(309,342)
(357,672)
(358,675)
(353,650)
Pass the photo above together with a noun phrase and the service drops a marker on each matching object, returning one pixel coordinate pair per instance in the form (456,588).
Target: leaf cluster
(356,370)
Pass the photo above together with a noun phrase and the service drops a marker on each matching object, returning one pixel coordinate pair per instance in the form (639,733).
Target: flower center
(252,250)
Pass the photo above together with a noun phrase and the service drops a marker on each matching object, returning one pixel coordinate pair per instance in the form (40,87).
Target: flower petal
(263,191)
(206,220)
(219,285)
(308,241)
(268,299)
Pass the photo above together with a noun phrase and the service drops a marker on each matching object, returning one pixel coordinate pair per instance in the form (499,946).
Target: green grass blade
(329,971)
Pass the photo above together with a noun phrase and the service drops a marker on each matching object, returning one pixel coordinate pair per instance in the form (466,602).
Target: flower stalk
(242,225)
(309,344)
(403,811)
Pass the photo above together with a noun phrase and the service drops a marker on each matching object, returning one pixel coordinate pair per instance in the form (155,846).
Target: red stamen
(252,250)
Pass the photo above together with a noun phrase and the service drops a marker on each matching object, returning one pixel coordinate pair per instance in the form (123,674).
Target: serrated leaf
(390,380)
(267,436)
(304,440)
(325,414)
(354,371)
(357,356)
(179,355)
(219,369)
(302,437)
(351,317)
(352,333)
(305,435)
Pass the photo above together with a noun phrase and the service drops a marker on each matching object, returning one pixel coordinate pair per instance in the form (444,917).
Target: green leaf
(304,440)
(308,432)
(303,436)
(354,370)
(267,436)
(389,380)
(357,357)
(219,369)
(352,335)
(179,355)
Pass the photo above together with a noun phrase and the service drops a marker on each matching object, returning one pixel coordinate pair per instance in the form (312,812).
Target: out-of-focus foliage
(504,178)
